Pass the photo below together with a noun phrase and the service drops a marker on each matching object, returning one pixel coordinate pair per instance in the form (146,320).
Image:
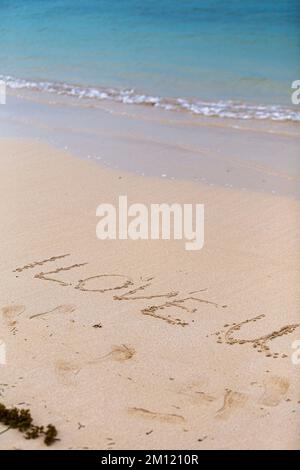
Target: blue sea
(234,58)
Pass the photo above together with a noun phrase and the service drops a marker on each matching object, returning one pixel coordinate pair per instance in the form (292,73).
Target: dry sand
(162,348)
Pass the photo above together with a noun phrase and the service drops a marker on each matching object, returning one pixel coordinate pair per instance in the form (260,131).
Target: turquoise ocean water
(208,57)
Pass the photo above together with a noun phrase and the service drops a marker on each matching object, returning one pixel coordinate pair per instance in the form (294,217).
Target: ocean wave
(222,109)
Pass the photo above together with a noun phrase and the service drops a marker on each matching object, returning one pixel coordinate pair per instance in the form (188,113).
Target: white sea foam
(223,109)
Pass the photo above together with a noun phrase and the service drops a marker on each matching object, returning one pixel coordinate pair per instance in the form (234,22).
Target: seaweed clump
(21,419)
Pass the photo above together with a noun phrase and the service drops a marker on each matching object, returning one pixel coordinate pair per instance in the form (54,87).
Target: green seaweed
(21,419)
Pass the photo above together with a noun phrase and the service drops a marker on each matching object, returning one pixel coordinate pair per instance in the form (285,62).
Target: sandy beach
(141,344)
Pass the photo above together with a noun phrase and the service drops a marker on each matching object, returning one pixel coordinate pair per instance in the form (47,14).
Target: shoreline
(224,108)
(159,143)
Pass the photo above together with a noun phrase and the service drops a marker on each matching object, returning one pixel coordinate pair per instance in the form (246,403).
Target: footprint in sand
(202,398)
(66,371)
(195,394)
(163,417)
(232,402)
(10,312)
(61,309)
(118,353)
(121,353)
(275,389)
